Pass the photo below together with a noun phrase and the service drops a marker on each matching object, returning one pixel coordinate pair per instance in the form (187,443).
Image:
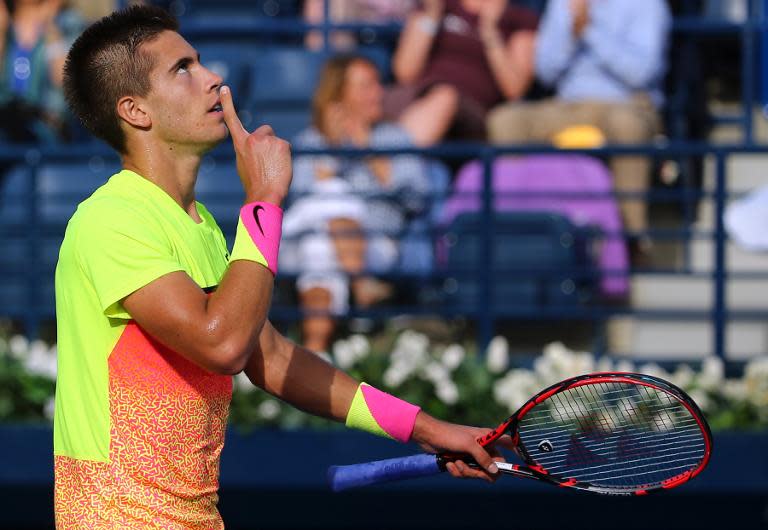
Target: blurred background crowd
(401,114)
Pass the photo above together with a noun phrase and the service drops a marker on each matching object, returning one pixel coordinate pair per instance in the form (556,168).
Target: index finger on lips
(234,124)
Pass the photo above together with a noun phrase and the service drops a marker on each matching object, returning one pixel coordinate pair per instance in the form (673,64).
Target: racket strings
(613,434)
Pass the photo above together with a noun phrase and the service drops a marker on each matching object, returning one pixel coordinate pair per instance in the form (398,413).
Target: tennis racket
(609,433)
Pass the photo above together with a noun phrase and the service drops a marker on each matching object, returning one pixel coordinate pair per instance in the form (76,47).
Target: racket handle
(356,475)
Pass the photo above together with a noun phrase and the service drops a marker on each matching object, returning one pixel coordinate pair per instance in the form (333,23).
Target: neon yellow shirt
(138,429)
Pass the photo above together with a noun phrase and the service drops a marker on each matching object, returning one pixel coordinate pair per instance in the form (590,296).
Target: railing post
(326,25)
(487,307)
(34,242)
(748,67)
(719,273)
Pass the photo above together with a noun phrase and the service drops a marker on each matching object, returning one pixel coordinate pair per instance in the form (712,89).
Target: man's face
(183,102)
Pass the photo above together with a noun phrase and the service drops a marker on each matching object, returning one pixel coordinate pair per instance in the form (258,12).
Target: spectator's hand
(263,159)
(434,8)
(490,13)
(488,22)
(580,14)
(381,167)
(5,19)
(437,436)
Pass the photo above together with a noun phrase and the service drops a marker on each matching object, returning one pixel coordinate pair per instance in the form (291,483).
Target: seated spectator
(341,11)
(34,38)
(347,213)
(455,59)
(606,62)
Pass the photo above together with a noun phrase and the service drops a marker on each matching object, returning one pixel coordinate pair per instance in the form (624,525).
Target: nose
(213,80)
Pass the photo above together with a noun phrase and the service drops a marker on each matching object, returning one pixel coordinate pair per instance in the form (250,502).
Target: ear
(133,111)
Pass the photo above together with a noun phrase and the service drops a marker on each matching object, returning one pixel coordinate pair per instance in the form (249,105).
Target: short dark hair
(105,63)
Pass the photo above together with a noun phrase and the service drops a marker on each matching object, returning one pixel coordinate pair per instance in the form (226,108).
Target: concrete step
(663,340)
(671,291)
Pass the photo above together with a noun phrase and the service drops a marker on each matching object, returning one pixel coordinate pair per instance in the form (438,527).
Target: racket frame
(535,471)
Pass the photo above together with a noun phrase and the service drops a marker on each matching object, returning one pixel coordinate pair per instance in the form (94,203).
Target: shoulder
(309,137)
(390,134)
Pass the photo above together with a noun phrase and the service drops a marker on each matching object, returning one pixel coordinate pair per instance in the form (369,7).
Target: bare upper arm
(217,331)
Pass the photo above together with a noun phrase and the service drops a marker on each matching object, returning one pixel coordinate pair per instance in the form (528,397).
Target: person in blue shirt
(605,61)
(34,38)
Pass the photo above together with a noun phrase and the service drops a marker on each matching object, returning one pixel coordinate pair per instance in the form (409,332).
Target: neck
(174,172)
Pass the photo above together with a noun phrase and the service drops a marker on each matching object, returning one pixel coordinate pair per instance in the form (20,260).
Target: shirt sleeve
(555,44)
(121,251)
(409,172)
(634,52)
(304,166)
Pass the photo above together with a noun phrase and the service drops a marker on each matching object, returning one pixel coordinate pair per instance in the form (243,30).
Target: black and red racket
(609,433)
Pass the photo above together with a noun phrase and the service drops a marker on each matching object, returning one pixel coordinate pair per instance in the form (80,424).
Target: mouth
(216,107)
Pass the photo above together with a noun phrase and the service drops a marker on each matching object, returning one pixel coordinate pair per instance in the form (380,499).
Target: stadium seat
(219,189)
(15,186)
(536,261)
(62,186)
(231,61)
(260,8)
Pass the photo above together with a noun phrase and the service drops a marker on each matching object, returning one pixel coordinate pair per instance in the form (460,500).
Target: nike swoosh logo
(256,210)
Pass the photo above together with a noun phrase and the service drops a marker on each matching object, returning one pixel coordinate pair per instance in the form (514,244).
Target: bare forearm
(299,377)
(413,49)
(511,63)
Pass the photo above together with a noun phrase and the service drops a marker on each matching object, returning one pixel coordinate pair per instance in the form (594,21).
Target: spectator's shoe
(640,252)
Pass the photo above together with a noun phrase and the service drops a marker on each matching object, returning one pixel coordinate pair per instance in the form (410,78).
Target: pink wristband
(380,413)
(264,223)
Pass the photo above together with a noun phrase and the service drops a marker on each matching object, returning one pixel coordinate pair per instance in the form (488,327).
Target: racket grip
(356,475)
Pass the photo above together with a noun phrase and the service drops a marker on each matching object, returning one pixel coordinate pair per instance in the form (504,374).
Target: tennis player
(155,315)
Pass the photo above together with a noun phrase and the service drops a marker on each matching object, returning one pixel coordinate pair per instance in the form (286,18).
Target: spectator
(34,38)
(349,211)
(341,11)
(455,59)
(606,62)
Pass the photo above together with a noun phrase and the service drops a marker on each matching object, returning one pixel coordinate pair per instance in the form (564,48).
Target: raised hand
(580,14)
(263,159)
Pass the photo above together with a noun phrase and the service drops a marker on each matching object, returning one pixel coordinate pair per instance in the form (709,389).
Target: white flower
(268,409)
(584,363)
(625,365)
(19,346)
(447,392)
(453,356)
(515,388)
(243,384)
(654,370)
(735,389)
(412,343)
(435,372)
(683,376)
(396,375)
(360,346)
(712,372)
(756,383)
(497,355)
(49,410)
(41,360)
(604,364)
(701,398)
(344,354)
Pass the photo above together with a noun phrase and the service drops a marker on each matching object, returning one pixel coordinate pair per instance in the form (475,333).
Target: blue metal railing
(34,230)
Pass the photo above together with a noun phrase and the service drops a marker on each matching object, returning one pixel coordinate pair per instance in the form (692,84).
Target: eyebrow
(183,61)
